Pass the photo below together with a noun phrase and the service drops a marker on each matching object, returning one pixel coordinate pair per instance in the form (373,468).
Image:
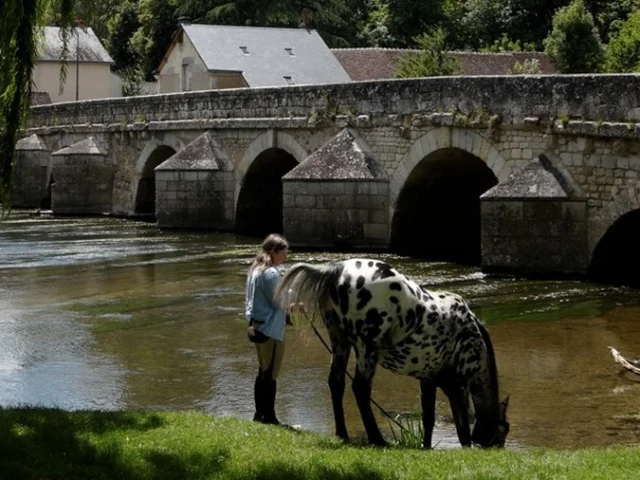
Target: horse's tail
(491,357)
(309,284)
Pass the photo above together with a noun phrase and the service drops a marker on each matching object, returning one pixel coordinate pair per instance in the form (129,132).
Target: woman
(266,323)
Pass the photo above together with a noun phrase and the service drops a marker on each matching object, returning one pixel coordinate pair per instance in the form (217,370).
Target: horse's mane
(309,284)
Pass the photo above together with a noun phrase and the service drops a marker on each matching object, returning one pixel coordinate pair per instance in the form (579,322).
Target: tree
(158,23)
(120,30)
(431,61)
(19,37)
(529,21)
(410,18)
(504,44)
(375,31)
(611,15)
(623,51)
(482,22)
(573,44)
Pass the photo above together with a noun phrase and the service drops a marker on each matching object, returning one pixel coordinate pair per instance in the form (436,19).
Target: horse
(387,319)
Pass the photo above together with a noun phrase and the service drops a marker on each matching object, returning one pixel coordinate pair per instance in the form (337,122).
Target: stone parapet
(511,99)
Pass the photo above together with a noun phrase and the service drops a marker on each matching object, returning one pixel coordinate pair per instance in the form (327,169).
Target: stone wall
(194,199)
(31,173)
(534,236)
(82,180)
(339,213)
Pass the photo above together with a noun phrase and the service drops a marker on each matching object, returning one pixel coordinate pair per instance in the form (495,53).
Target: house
(203,57)
(382,63)
(88,67)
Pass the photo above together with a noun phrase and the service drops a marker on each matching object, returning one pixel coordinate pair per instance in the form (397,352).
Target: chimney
(305,18)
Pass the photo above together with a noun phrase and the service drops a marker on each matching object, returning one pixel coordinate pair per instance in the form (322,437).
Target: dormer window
(290,51)
(288,80)
(245,50)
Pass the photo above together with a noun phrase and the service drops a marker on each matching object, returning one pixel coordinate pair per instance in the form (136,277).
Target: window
(288,80)
(186,78)
(290,51)
(245,50)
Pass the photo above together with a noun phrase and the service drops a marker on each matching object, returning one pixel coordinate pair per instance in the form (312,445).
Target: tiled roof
(91,50)
(381,63)
(481,63)
(267,56)
(344,157)
(203,153)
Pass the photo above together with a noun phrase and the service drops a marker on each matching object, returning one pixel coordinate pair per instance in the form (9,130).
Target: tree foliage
(623,52)
(432,59)
(530,66)
(19,38)
(411,19)
(574,44)
(120,30)
(611,15)
(158,23)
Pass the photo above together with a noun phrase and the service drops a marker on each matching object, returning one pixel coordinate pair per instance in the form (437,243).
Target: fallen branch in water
(630,365)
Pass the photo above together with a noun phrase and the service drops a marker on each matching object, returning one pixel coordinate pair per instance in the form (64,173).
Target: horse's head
(489,434)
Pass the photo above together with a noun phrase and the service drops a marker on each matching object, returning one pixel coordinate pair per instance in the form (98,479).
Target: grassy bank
(52,444)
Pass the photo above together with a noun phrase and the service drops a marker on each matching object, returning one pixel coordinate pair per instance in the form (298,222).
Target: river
(109,314)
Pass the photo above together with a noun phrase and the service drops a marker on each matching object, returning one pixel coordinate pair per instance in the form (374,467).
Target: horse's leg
(362,382)
(428,401)
(340,349)
(459,400)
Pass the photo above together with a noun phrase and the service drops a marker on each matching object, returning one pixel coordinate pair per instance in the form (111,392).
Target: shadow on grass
(39,443)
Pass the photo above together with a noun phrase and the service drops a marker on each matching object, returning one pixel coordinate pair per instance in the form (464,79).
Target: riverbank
(55,444)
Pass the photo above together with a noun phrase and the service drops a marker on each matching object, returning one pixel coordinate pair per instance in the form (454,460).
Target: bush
(573,44)
(623,52)
(431,61)
(530,66)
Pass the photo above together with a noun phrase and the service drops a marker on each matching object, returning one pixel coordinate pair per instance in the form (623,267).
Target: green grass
(53,444)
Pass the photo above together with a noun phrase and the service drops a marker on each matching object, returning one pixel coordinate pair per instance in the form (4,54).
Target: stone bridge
(517,173)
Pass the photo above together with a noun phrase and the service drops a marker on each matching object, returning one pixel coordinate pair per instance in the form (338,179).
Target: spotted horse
(389,320)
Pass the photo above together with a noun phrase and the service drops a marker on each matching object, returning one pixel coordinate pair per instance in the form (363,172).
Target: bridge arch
(155,151)
(435,195)
(615,257)
(258,190)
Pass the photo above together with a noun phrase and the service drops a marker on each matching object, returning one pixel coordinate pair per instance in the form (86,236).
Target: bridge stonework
(587,126)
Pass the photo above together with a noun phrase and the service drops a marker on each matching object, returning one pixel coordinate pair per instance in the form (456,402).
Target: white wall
(183,59)
(95,81)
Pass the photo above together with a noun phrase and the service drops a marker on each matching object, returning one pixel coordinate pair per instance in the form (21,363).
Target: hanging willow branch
(19,39)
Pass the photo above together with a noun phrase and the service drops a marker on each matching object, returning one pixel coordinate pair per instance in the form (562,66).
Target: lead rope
(384,412)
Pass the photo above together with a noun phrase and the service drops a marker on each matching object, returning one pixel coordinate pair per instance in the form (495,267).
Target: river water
(103,313)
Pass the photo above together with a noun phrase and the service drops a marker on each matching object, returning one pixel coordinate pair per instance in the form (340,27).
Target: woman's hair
(271,245)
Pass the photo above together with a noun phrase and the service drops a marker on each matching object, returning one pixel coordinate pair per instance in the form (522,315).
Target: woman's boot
(258,395)
(269,411)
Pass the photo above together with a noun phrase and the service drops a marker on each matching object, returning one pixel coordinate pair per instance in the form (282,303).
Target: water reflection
(110,314)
